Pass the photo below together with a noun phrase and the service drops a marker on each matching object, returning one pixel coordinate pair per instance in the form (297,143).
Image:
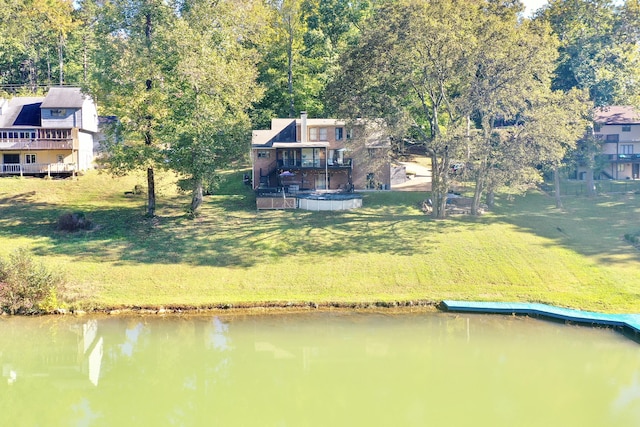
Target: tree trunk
(85,65)
(33,72)
(491,198)
(439,186)
(440,207)
(151,200)
(196,199)
(292,110)
(48,67)
(477,195)
(591,186)
(148,137)
(556,185)
(61,59)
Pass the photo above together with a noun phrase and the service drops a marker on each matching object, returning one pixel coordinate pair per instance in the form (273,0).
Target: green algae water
(315,369)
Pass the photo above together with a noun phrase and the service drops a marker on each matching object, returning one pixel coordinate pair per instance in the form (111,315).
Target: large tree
(300,53)
(461,77)
(513,68)
(598,48)
(212,88)
(33,36)
(129,79)
(180,79)
(552,129)
(412,64)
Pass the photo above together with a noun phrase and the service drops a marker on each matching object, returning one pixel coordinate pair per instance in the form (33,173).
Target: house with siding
(618,127)
(50,135)
(306,155)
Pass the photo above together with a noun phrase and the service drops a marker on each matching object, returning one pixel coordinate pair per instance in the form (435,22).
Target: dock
(630,321)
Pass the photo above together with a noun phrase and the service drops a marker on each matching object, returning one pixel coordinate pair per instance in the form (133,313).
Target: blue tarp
(631,321)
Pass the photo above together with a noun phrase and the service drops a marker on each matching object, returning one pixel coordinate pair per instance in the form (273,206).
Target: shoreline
(269,306)
(628,324)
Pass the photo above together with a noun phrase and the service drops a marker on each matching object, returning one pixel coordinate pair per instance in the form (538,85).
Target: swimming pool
(329,201)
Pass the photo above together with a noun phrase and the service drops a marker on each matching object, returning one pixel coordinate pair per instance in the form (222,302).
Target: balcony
(37,144)
(312,164)
(623,157)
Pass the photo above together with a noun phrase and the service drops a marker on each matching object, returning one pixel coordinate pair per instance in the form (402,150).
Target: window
(620,167)
(310,157)
(597,127)
(30,158)
(58,112)
(371,180)
(11,158)
(60,158)
(626,128)
(55,134)
(263,154)
(339,134)
(612,137)
(313,134)
(323,134)
(626,149)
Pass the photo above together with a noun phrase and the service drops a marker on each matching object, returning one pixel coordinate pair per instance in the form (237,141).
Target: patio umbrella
(287,173)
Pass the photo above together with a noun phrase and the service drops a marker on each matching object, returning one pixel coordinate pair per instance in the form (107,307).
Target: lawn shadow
(229,232)
(593,227)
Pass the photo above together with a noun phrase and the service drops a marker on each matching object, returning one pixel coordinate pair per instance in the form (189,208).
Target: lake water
(315,369)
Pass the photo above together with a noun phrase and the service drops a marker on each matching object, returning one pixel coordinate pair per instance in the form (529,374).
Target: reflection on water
(316,369)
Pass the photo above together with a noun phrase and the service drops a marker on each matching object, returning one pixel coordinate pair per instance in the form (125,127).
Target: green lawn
(525,250)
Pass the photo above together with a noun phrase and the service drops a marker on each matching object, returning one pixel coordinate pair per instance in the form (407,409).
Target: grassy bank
(525,250)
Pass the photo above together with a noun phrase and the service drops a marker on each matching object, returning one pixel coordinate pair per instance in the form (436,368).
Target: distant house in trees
(50,135)
(305,154)
(619,129)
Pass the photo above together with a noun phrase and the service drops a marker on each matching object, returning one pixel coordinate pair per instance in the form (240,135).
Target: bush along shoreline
(27,286)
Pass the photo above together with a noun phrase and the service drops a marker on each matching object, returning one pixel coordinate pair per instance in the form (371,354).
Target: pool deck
(631,321)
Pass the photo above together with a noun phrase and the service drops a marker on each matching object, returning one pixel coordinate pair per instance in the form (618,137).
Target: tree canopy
(180,78)
(472,82)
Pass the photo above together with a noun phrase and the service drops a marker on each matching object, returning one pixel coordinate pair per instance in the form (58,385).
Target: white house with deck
(50,135)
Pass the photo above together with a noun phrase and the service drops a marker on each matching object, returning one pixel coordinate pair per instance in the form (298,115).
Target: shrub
(633,238)
(73,222)
(27,286)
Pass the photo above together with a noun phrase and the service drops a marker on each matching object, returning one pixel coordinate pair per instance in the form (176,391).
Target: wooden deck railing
(313,164)
(36,168)
(37,144)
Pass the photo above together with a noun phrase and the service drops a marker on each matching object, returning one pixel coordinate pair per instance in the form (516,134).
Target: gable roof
(21,111)
(63,97)
(284,131)
(616,115)
(281,130)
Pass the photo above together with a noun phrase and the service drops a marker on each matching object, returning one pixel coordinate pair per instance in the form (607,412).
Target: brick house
(305,154)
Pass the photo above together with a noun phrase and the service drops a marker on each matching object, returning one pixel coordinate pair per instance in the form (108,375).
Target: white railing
(36,168)
(37,144)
